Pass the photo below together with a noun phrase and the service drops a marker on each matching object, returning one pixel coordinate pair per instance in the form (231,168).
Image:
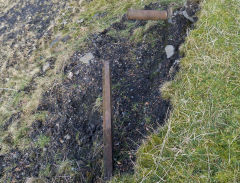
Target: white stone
(80,21)
(68,137)
(87,58)
(70,75)
(169,50)
(46,67)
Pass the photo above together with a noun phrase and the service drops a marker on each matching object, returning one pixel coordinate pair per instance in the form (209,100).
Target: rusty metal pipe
(107,122)
(147,15)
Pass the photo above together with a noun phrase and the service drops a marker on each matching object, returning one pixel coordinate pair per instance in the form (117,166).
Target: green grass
(65,167)
(43,141)
(201,140)
(46,171)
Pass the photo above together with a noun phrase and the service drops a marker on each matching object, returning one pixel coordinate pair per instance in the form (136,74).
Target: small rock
(77,72)
(68,137)
(169,50)
(57,125)
(170,21)
(46,67)
(62,141)
(87,58)
(80,21)
(185,14)
(70,75)
(64,22)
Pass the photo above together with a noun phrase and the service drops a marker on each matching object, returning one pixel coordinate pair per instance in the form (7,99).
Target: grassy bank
(200,142)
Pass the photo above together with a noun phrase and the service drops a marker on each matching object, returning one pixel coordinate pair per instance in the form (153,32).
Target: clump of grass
(123,179)
(41,116)
(138,35)
(46,171)
(43,141)
(98,104)
(65,167)
(200,141)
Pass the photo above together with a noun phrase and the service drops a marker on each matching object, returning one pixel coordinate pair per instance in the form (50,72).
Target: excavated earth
(74,123)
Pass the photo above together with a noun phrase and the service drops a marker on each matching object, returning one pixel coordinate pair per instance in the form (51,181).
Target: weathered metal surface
(107,122)
(147,15)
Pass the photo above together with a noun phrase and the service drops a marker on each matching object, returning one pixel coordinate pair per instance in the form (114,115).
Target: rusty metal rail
(149,14)
(146,15)
(107,122)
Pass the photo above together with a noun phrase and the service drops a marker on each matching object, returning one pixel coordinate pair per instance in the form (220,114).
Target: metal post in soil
(107,121)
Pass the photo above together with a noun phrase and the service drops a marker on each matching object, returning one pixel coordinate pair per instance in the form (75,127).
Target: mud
(74,123)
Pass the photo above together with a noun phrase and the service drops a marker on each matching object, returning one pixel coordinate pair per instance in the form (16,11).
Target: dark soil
(74,123)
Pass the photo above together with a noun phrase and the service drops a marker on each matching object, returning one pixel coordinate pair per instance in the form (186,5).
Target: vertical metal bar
(107,122)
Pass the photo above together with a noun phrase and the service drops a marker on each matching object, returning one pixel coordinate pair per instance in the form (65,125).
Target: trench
(140,66)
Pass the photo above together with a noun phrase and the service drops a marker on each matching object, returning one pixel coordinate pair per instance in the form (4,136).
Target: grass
(65,167)
(43,141)
(46,171)
(201,140)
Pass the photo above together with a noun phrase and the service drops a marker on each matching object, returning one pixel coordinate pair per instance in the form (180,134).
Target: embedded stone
(170,50)
(46,67)
(87,58)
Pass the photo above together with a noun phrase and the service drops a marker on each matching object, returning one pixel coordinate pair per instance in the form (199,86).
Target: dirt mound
(67,147)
